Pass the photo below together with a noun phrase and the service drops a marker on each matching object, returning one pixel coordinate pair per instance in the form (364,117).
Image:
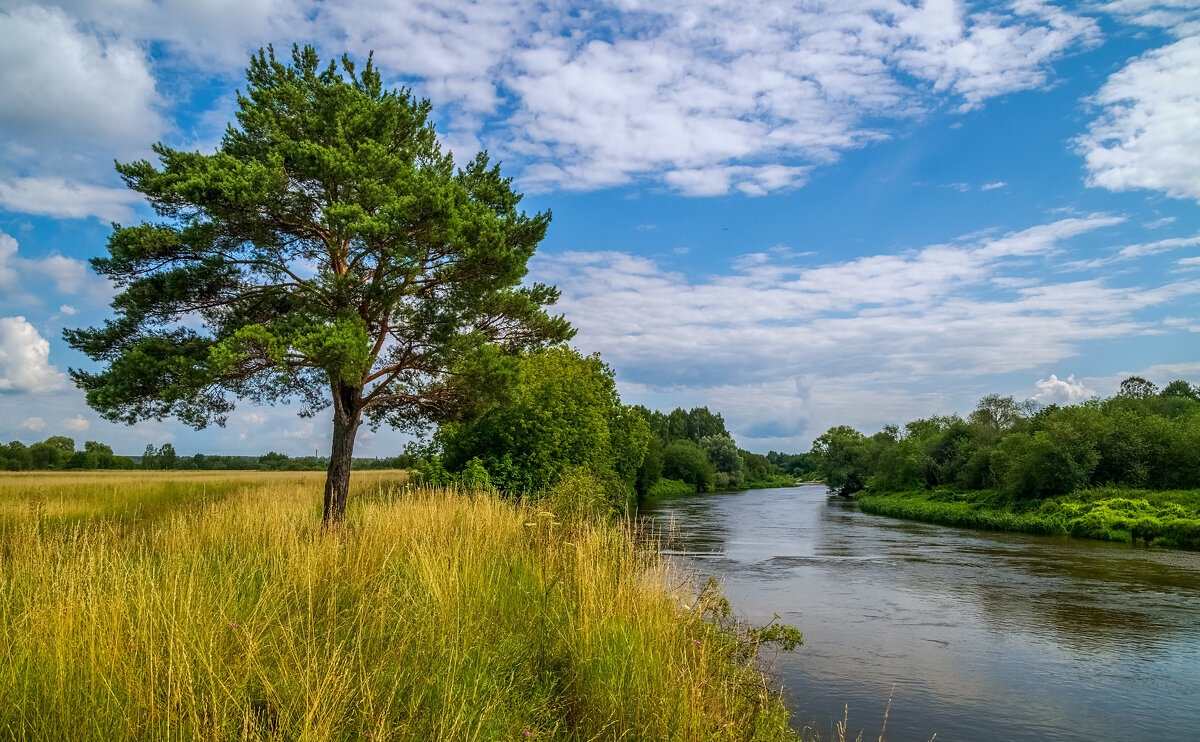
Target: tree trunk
(345,426)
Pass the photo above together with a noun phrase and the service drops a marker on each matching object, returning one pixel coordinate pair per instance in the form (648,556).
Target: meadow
(214,606)
(1169,518)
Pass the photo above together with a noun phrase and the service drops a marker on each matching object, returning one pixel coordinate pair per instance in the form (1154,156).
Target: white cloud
(703,96)
(69,276)
(8,251)
(992,186)
(34,424)
(1062,391)
(67,199)
(67,309)
(74,98)
(945,315)
(64,87)
(708,94)
(1142,249)
(1180,17)
(300,430)
(1190,324)
(78,423)
(1148,133)
(25,359)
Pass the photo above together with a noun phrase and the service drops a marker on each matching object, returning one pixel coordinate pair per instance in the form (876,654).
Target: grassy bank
(196,606)
(670,488)
(1163,518)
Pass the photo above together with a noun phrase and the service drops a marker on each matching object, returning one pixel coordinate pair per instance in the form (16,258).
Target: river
(976,636)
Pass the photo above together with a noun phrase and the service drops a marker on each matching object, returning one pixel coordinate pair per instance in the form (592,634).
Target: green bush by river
(1163,518)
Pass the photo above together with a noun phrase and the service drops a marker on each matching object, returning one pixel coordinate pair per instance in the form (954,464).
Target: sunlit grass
(215,606)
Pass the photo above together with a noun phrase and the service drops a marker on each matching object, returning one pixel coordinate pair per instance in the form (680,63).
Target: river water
(976,636)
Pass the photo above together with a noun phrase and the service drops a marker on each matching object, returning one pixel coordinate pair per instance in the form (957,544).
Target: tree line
(564,416)
(1142,437)
(58,453)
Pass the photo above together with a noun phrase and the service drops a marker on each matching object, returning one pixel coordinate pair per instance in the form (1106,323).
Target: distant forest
(58,453)
(1143,437)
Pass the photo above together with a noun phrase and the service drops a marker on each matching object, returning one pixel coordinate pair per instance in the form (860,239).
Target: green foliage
(1139,438)
(680,424)
(58,452)
(669,487)
(331,253)
(844,459)
(798,465)
(686,461)
(475,476)
(564,413)
(1164,518)
(650,472)
(723,454)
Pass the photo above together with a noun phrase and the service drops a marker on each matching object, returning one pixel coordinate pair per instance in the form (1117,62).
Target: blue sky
(800,214)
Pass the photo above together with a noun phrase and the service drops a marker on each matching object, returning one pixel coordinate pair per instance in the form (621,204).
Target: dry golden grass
(214,606)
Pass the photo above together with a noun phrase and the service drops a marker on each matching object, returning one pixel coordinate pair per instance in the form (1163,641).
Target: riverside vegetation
(1126,468)
(217,606)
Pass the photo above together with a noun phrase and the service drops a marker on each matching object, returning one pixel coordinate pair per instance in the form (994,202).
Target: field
(213,606)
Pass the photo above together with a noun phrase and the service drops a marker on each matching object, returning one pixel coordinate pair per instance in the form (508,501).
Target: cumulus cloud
(25,359)
(73,99)
(1062,391)
(703,96)
(78,423)
(64,87)
(709,94)
(34,423)
(69,276)
(1148,133)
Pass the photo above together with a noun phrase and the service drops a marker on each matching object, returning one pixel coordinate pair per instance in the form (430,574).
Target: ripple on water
(984,636)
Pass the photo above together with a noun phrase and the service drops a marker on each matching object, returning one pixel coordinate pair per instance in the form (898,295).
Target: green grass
(670,488)
(780,480)
(201,607)
(1162,518)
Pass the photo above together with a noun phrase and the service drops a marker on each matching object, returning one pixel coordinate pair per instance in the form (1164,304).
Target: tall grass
(216,608)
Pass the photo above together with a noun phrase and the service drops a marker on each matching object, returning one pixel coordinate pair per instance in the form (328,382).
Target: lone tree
(328,252)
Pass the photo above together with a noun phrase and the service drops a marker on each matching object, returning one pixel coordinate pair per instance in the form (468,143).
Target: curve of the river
(983,636)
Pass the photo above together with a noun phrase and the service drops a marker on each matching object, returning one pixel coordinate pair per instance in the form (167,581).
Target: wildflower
(234,625)
(528,734)
(696,642)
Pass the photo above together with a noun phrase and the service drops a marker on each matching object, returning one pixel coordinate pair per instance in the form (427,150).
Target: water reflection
(983,636)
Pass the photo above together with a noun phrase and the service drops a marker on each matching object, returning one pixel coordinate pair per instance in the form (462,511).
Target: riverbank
(1161,518)
(675,488)
(218,608)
